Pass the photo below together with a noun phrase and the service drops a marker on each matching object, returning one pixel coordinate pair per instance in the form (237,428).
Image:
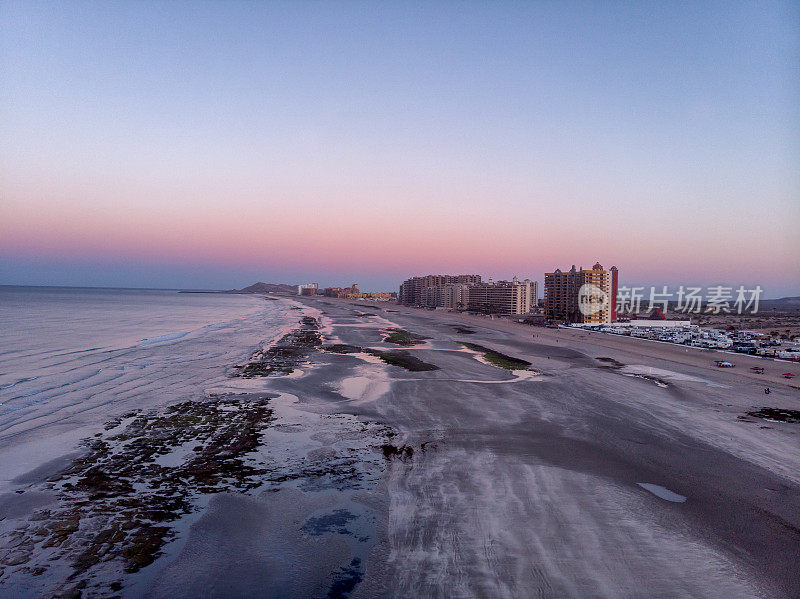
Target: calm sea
(69,356)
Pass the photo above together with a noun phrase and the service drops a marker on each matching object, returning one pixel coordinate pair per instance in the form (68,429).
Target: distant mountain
(266,288)
(783,303)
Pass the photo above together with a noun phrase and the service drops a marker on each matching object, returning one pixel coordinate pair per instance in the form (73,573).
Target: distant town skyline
(223,280)
(212,145)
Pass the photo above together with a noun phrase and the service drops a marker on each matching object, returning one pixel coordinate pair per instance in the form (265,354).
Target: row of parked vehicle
(743,342)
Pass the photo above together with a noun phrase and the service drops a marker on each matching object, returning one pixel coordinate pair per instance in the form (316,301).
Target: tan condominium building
(580,295)
(412,290)
(453,296)
(346,292)
(503,297)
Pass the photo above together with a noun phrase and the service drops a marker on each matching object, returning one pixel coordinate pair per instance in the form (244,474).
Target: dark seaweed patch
(498,359)
(403,337)
(343,348)
(394,357)
(777,414)
(404,360)
(286,354)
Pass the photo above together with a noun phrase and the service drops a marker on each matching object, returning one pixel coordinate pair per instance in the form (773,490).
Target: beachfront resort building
(503,297)
(307,289)
(453,296)
(353,292)
(412,290)
(581,296)
(468,292)
(347,292)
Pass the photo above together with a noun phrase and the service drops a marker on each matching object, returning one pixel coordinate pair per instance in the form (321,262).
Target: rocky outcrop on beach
(284,356)
(118,507)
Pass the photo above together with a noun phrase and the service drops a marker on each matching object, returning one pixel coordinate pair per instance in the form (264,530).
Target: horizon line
(219,290)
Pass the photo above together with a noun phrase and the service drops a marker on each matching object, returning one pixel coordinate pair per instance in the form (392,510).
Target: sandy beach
(606,467)
(536,485)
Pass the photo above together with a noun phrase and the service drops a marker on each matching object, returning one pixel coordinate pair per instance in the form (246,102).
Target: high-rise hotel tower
(583,296)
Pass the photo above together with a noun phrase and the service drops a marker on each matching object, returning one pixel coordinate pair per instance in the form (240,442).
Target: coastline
(577,476)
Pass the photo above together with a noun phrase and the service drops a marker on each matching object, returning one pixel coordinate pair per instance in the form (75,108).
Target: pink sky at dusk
(376,239)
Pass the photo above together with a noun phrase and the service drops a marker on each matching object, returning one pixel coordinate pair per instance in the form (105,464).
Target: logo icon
(591,299)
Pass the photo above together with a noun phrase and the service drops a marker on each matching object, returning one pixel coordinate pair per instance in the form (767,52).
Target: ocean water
(70,358)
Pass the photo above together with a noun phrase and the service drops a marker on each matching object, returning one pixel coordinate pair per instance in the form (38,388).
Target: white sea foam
(162,338)
(662,492)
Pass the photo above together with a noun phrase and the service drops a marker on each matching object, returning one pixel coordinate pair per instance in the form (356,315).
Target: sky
(210,145)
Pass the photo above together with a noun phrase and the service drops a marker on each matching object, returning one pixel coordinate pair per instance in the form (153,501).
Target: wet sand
(585,340)
(637,474)
(533,488)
